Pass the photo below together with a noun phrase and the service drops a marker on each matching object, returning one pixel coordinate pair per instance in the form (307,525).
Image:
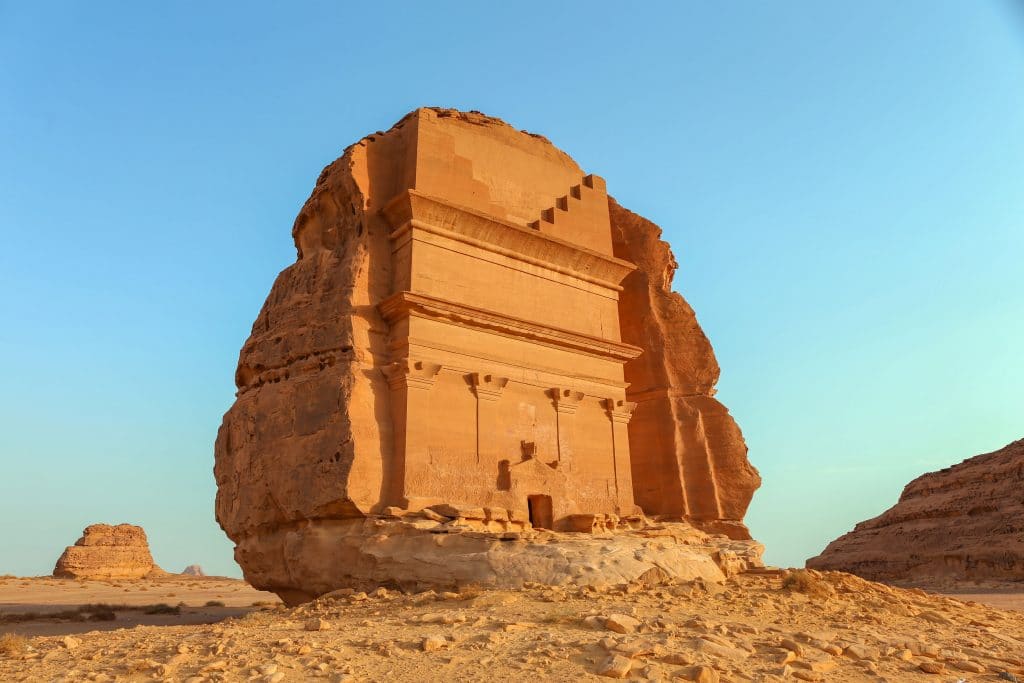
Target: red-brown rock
(108,552)
(688,455)
(471,325)
(965,522)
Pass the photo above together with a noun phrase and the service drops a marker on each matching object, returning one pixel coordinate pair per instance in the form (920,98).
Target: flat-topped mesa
(108,552)
(962,523)
(470,321)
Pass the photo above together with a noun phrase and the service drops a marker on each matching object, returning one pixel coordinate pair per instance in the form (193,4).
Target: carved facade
(506,390)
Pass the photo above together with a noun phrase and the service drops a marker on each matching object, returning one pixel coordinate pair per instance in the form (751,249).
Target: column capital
(414,374)
(566,400)
(619,410)
(487,387)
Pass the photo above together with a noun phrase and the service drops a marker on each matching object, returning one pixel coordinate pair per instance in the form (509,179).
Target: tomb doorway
(540,511)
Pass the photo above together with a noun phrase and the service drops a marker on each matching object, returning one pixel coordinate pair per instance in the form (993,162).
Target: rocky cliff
(965,522)
(108,552)
(678,428)
(314,442)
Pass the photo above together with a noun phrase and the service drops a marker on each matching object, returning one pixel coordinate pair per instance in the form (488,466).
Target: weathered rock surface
(471,322)
(678,426)
(108,552)
(965,522)
(193,570)
(416,553)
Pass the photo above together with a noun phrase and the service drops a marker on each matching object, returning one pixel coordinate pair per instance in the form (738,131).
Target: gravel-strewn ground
(818,627)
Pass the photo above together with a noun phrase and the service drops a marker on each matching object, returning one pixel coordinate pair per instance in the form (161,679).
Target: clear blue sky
(843,185)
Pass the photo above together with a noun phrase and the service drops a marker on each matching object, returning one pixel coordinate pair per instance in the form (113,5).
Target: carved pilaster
(566,401)
(619,413)
(414,374)
(410,382)
(619,410)
(487,389)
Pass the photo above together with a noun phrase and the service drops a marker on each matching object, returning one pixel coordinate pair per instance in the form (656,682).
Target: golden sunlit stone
(474,337)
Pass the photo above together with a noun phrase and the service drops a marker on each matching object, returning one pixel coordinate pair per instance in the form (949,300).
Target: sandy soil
(1002,594)
(1010,599)
(757,627)
(47,596)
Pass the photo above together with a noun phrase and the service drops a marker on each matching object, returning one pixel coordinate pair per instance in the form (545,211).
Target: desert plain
(766,625)
(46,605)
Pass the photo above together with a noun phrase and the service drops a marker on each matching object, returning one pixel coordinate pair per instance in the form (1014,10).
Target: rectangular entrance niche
(540,511)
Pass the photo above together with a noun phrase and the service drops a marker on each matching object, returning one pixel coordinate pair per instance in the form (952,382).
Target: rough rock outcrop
(679,430)
(470,321)
(416,552)
(108,552)
(965,522)
(193,570)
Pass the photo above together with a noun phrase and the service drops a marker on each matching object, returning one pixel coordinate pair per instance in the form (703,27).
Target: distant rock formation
(962,523)
(193,570)
(471,320)
(108,552)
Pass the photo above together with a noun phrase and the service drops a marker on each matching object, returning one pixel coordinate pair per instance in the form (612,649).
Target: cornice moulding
(412,210)
(403,304)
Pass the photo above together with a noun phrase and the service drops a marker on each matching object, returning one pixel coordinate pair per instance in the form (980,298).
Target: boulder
(962,523)
(193,570)
(472,324)
(108,552)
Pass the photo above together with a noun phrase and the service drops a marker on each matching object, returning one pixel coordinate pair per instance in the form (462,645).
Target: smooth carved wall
(490,441)
(492,394)
(502,267)
(495,170)
(475,276)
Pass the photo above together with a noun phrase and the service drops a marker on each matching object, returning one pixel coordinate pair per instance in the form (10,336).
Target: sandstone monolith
(962,523)
(108,552)
(475,334)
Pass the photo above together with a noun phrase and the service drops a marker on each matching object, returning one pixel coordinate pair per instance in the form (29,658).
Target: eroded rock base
(416,552)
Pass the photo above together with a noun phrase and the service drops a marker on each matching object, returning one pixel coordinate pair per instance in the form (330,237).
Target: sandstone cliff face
(678,428)
(108,552)
(289,452)
(965,522)
(394,306)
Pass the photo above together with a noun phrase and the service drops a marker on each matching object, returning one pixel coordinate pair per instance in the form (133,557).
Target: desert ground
(44,605)
(763,626)
(1003,597)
